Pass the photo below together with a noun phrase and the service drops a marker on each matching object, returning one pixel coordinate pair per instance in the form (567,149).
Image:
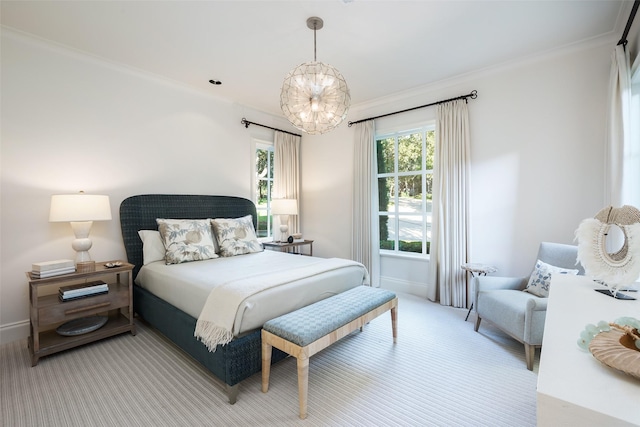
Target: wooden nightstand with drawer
(48,312)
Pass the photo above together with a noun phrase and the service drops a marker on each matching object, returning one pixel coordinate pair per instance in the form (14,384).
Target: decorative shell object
(615,344)
(618,351)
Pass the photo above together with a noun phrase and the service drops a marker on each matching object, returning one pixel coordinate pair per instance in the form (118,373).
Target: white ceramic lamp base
(82,243)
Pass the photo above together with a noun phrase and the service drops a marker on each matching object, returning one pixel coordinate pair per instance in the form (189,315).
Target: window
(263,187)
(405,187)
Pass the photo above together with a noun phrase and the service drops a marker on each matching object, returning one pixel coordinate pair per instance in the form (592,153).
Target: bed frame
(231,363)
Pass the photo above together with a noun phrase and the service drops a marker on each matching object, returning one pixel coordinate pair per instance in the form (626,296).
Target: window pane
(386,200)
(261,163)
(410,153)
(271,163)
(431,146)
(410,233)
(262,225)
(410,187)
(387,238)
(429,189)
(262,192)
(386,155)
(265,223)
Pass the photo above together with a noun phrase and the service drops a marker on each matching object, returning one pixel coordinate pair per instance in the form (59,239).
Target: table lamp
(284,208)
(80,210)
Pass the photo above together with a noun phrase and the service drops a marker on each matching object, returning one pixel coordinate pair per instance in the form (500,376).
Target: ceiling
(381,47)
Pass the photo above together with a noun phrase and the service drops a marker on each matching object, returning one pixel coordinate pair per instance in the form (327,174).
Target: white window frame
(261,144)
(395,214)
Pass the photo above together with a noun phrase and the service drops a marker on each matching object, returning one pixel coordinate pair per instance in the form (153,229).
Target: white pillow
(152,246)
(541,278)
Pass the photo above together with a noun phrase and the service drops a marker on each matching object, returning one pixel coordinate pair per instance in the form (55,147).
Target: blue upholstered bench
(304,332)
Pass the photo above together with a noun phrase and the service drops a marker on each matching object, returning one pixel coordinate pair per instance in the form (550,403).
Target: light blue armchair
(501,300)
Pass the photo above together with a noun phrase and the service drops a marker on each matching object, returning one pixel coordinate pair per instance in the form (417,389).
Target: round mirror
(614,245)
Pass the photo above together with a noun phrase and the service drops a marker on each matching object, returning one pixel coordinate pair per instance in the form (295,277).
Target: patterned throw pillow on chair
(541,278)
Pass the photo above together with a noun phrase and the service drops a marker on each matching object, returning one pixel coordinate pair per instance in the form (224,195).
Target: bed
(155,295)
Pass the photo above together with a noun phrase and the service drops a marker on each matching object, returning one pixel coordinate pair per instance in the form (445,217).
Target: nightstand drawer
(64,311)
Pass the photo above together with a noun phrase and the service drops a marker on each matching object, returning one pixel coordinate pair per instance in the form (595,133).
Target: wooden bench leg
(266,364)
(394,323)
(303,384)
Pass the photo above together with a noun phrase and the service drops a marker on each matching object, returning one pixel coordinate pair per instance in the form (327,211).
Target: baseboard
(14,331)
(403,286)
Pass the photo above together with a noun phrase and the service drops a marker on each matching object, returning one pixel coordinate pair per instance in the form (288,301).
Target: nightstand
(292,248)
(48,312)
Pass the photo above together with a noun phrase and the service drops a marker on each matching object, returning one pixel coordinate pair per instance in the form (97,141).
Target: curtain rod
(634,9)
(472,95)
(246,124)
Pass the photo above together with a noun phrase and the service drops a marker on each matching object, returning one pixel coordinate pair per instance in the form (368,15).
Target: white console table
(574,388)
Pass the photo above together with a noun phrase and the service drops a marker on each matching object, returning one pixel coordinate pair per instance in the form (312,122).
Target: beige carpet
(441,373)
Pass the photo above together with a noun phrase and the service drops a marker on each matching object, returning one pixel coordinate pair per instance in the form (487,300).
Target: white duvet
(188,286)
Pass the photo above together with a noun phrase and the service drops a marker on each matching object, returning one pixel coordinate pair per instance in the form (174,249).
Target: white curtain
(618,131)
(286,175)
(365,239)
(632,174)
(450,220)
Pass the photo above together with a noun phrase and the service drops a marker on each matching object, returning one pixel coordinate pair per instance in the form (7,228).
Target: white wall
(537,145)
(71,123)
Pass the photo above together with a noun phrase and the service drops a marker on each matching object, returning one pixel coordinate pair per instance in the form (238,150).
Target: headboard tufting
(140,213)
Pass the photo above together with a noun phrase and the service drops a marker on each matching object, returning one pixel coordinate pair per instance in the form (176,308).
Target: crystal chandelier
(315,97)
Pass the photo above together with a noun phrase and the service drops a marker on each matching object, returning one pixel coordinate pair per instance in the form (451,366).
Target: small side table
(292,248)
(477,269)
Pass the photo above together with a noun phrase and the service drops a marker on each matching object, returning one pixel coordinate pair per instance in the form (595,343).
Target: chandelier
(315,97)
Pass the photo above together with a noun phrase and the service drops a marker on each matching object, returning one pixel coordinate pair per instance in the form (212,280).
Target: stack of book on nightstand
(83,290)
(42,270)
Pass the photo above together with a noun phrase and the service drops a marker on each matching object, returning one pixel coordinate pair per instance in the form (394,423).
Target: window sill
(404,255)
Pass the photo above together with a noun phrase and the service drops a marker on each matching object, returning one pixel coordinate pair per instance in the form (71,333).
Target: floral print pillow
(236,236)
(541,278)
(186,240)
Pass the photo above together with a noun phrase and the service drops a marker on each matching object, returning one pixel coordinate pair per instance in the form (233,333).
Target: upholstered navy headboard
(140,213)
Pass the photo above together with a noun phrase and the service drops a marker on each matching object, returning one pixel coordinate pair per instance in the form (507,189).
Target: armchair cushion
(496,283)
(509,308)
(541,278)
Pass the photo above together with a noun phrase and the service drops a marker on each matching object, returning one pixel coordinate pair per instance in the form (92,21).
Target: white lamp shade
(284,207)
(79,207)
